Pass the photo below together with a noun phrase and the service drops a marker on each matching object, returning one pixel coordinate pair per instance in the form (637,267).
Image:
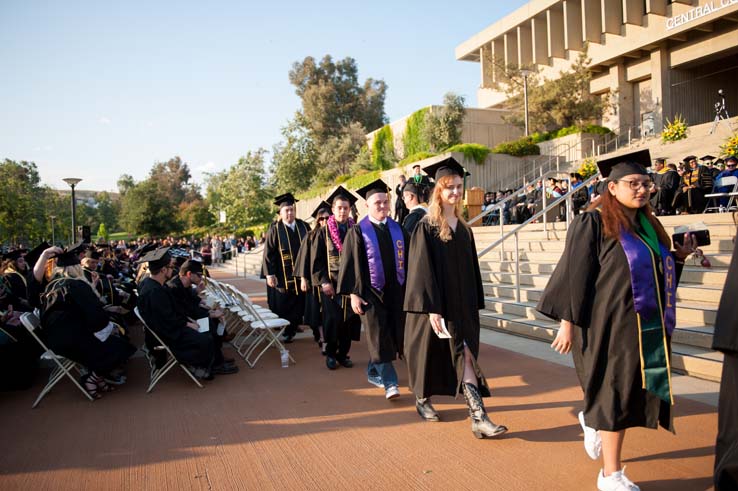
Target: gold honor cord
(663,326)
(23,279)
(290,256)
(344,303)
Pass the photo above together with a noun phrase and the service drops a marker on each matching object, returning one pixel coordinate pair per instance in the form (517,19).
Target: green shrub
(415,158)
(472,151)
(413,140)
(518,148)
(675,130)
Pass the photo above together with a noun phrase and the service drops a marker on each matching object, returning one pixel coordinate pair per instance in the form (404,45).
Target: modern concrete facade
(654,59)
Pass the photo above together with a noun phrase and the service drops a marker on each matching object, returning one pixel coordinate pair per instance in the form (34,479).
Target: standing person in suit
(418,209)
(400,208)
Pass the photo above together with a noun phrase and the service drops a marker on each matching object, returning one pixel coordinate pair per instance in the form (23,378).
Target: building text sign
(698,12)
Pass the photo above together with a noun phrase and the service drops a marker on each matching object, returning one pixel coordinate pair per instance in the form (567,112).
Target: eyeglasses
(322,219)
(635,185)
(730,166)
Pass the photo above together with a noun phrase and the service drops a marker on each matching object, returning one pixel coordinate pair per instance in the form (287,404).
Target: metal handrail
(515,231)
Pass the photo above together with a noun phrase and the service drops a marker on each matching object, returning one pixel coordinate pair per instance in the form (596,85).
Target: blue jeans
(385,371)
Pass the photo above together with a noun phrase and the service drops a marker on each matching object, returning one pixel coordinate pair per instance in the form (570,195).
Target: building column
(511,48)
(486,65)
(555,18)
(525,46)
(623,91)
(592,22)
(612,16)
(539,30)
(660,86)
(573,37)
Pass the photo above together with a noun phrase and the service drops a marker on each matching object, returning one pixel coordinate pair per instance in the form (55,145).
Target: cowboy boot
(425,409)
(482,426)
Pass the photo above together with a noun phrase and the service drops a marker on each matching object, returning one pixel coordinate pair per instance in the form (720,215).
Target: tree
(172,178)
(241,191)
(294,160)
(125,182)
(338,154)
(107,210)
(146,210)
(102,232)
(443,126)
(23,214)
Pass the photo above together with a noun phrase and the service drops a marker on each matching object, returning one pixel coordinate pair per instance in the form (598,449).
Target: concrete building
(654,59)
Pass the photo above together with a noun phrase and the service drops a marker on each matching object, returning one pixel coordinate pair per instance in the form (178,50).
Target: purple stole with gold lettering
(374,256)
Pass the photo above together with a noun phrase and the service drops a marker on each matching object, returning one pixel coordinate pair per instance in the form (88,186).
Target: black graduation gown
(401,210)
(286,300)
(383,319)
(725,339)
(667,184)
(19,354)
(412,220)
(312,296)
(443,278)
(158,308)
(19,290)
(337,313)
(68,328)
(591,288)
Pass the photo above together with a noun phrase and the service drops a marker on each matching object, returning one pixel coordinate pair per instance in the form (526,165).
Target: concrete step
(719,245)
(700,362)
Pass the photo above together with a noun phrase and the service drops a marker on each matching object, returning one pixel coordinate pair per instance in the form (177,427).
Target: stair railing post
(545,225)
(517,269)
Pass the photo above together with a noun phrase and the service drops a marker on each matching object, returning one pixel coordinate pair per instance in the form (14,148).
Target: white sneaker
(392,393)
(617,481)
(592,440)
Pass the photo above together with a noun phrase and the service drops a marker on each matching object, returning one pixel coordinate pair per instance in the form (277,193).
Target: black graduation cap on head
(70,256)
(342,192)
(158,258)
(285,199)
(707,157)
(322,206)
(660,159)
(446,167)
(92,254)
(689,158)
(623,165)
(16,254)
(191,266)
(36,252)
(411,187)
(378,186)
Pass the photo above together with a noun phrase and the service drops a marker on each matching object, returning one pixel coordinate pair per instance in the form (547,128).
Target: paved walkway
(304,427)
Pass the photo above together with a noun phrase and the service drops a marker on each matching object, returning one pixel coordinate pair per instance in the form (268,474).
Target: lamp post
(53,230)
(73,181)
(525,73)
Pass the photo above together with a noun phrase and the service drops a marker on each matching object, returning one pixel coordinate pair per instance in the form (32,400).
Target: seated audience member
(696,182)
(19,352)
(730,170)
(665,184)
(580,196)
(159,310)
(16,273)
(75,324)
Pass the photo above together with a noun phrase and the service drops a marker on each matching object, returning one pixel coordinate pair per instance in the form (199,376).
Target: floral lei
(333,230)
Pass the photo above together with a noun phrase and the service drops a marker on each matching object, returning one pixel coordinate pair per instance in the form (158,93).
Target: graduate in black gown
(281,247)
(313,317)
(372,272)
(159,310)
(620,341)
(17,277)
(725,339)
(411,195)
(665,184)
(340,324)
(75,324)
(444,288)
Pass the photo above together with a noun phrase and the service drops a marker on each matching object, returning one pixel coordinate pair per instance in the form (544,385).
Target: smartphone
(702,236)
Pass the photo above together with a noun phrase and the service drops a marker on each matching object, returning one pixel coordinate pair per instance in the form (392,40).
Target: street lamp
(526,73)
(73,181)
(53,230)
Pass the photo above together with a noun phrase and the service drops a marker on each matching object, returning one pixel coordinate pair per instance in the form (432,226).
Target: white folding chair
(64,366)
(270,330)
(157,374)
(726,181)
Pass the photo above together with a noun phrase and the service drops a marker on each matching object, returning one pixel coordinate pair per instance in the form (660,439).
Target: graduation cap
(93,254)
(15,254)
(285,199)
(623,165)
(157,259)
(70,256)
(343,193)
(141,250)
(707,157)
(322,206)
(446,167)
(36,252)
(734,158)
(191,266)
(660,159)
(689,158)
(411,187)
(374,187)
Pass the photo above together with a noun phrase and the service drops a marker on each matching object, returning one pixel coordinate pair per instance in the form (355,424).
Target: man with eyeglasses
(731,169)
(696,182)
(665,184)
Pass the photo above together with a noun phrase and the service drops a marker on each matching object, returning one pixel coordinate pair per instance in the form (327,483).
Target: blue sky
(98,89)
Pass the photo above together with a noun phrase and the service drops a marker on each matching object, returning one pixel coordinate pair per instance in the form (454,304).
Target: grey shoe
(426,410)
(482,426)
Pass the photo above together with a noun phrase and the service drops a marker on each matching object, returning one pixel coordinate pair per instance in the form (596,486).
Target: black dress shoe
(224,369)
(331,363)
(346,363)
(229,360)
(287,339)
(426,410)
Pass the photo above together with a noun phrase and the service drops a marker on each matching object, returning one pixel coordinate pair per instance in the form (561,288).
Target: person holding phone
(614,292)
(445,293)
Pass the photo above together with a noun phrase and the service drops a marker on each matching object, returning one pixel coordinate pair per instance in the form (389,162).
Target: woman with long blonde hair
(444,295)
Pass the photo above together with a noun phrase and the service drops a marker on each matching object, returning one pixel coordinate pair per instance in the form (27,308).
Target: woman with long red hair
(443,297)
(614,291)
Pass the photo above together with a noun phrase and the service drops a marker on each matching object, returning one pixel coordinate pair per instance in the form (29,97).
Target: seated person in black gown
(189,304)
(158,309)
(75,325)
(19,352)
(16,274)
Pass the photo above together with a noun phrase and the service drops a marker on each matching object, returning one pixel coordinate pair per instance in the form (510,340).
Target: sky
(100,89)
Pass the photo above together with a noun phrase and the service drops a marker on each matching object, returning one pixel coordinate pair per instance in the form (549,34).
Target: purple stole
(374,256)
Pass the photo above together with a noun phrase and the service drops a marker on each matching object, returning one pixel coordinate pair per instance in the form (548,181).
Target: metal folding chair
(157,374)
(63,366)
(713,197)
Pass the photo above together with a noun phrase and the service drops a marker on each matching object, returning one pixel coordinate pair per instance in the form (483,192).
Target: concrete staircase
(697,296)
(247,263)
